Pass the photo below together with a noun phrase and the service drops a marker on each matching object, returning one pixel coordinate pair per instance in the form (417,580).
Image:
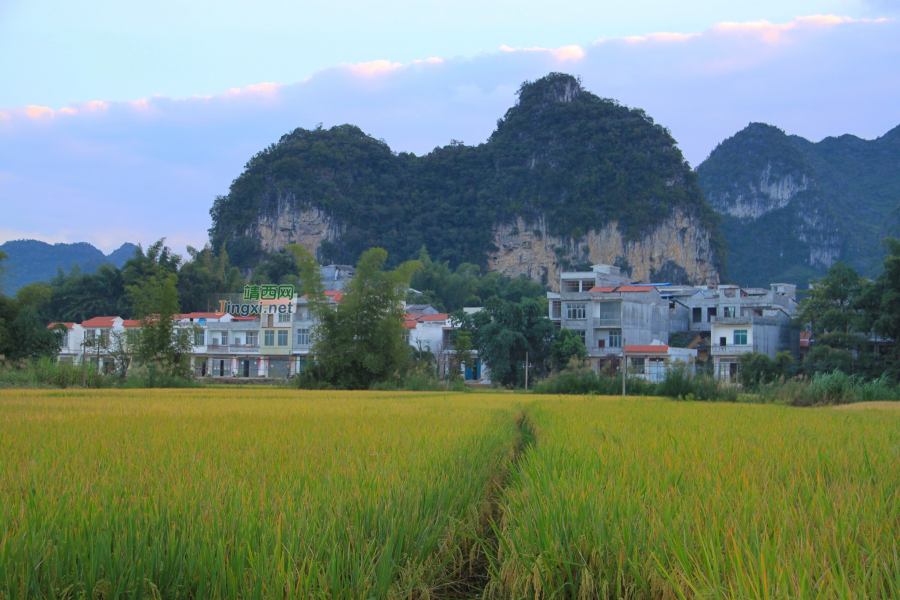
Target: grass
(657,499)
(265,493)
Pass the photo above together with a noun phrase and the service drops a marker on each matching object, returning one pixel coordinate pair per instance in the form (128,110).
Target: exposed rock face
(769,193)
(678,251)
(293,224)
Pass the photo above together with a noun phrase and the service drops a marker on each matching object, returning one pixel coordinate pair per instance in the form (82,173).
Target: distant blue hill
(32,260)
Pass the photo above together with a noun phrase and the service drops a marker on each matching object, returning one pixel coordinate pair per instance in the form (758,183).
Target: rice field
(244,493)
(661,499)
(265,493)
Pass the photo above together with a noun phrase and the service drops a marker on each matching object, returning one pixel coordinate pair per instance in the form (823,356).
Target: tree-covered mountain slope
(33,260)
(565,180)
(792,207)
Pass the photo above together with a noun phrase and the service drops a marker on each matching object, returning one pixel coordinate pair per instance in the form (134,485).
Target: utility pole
(84,343)
(624,365)
(526,370)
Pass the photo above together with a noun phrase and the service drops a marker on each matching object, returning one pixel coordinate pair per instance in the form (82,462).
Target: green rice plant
(659,499)
(246,493)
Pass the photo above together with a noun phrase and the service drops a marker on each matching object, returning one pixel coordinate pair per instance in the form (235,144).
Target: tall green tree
(205,277)
(358,341)
(505,333)
(830,305)
(163,348)
(565,346)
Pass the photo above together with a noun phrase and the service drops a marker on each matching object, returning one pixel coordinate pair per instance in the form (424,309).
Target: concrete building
(719,322)
(607,311)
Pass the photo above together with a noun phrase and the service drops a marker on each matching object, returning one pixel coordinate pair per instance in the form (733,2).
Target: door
(222,368)
(246,367)
(723,341)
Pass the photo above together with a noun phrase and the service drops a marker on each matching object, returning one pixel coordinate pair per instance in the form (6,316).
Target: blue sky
(122,121)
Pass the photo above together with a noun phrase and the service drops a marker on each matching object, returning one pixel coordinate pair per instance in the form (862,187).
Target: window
(576,311)
(282,337)
(610,313)
(224,338)
(303,337)
(729,312)
(89,335)
(740,337)
(697,315)
(582,333)
(269,337)
(615,338)
(637,365)
(555,309)
(252,338)
(711,313)
(198,338)
(284,317)
(65,341)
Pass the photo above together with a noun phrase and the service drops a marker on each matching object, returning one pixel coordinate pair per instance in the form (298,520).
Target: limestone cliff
(292,223)
(678,251)
(588,171)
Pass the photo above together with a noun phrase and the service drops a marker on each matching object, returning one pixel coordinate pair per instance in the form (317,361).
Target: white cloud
(152,167)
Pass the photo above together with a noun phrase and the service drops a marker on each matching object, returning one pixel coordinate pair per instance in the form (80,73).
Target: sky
(123,121)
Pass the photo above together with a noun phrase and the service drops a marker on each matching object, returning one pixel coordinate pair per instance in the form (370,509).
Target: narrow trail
(478,575)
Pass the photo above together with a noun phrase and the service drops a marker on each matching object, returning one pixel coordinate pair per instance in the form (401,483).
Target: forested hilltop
(566,179)
(791,207)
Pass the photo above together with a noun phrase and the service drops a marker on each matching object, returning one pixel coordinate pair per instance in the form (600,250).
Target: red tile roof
(68,325)
(410,324)
(622,288)
(647,349)
(99,322)
(131,323)
(805,336)
(244,318)
(437,317)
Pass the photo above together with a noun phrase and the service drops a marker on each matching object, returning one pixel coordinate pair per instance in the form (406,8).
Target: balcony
(607,321)
(244,348)
(731,349)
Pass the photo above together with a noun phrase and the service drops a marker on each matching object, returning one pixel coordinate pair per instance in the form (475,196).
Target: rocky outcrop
(291,223)
(770,192)
(679,249)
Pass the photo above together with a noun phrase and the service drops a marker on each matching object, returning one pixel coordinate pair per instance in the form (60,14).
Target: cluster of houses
(616,320)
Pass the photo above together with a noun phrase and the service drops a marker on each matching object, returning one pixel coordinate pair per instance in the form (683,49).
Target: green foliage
(49,372)
(360,340)
(560,153)
(162,348)
(579,378)
(505,332)
(845,311)
(758,369)
(565,346)
(203,279)
(680,383)
(30,338)
(449,290)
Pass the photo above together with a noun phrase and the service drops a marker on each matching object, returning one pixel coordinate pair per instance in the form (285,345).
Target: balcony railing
(607,321)
(239,348)
(732,349)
